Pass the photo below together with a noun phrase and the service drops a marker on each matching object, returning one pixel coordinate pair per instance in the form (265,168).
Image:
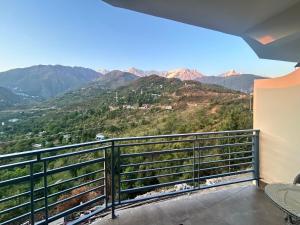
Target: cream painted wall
(277,115)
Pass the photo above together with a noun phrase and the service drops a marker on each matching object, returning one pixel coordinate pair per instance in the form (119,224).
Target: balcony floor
(244,205)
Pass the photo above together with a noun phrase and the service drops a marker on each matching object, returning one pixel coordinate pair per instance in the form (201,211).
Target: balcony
(78,182)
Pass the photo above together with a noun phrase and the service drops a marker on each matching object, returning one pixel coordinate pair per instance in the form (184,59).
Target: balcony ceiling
(270,27)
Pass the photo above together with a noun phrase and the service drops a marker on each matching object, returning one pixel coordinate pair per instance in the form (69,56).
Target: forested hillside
(8,98)
(149,105)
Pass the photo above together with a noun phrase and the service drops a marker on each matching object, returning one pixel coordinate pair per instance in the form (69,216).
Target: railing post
(256,156)
(194,162)
(119,176)
(229,153)
(113,216)
(31,193)
(199,164)
(46,191)
(105,178)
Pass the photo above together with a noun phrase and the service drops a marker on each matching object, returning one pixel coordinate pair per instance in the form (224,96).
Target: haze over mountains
(47,81)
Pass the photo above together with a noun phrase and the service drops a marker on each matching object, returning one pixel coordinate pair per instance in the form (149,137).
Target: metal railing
(80,181)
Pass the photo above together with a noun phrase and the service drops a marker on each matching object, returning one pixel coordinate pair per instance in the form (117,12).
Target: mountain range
(241,82)
(231,79)
(43,82)
(115,79)
(46,81)
(181,73)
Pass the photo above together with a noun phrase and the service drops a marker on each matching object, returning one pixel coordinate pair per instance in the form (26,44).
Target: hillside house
(100,137)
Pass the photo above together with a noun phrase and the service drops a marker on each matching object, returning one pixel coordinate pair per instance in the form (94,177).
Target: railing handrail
(46,150)
(184,135)
(84,144)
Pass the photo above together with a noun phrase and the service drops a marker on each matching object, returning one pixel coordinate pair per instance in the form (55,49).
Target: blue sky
(92,34)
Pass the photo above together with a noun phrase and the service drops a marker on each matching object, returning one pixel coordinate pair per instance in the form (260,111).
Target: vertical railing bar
(256,156)
(119,176)
(31,194)
(113,216)
(199,164)
(105,178)
(229,154)
(253,152)
(46,191)
(194,159)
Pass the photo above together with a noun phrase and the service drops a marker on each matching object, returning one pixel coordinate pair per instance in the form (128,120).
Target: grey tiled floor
(235,206)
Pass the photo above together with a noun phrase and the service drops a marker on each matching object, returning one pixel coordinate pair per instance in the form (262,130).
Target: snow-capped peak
(103,71)
(143,73)
(230,73)
(184,74)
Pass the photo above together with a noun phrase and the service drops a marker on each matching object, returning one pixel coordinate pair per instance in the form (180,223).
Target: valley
(149,105)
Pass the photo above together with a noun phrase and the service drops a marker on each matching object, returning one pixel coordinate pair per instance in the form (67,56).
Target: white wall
(277,115)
